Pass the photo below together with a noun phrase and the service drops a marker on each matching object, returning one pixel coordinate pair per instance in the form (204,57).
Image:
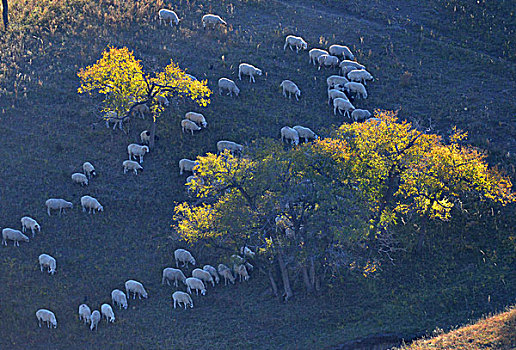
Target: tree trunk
(313,279)
(152,134)
(306,279)
(5,13)
(274,286)
(284,276)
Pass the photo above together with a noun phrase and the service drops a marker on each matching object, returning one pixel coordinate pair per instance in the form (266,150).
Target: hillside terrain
(437,73)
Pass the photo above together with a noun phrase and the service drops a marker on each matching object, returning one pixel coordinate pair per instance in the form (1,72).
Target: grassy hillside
(49,131)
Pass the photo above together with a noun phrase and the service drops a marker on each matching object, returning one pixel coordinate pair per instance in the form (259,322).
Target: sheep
(46,260)
(145,136)
(131,165)
(112,117)
(228,84)
(57,203)
(163,101)
(191,77)
(291,88)
(229,145)
(189,125)
(182,297)
(28,222)
(94,319)
(334,80)
(345,63)
(213,20)
(92,204)
(341,50)
(340,104)
(195,283)
(88,169)
(14,235)
(313,54)
(334,93)
(213,272)
(46,316)
(171,274)
(141,110)
(248,69)
(204,276)
(305,133)
(84,313)
(360,76)
(107,312)
(118,298)
(360,114)
(136,288)
(327,61)
(196,118)
(287,133)
(80,178)
(137,150)
(241,271)
(357,88)
(187,165)
(344,70)
(246,251)
(295,41)
(225,272)
(168,15)
(184,256)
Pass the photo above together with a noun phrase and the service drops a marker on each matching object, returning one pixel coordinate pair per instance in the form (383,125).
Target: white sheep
(107,312)
(145,136)
(334,80)
(46,316)
(295,41)
(80,178)
(182,297)
(136,288)
(195,283)
(357,65)
(137,150)
(189,125)
(291,88)
(340,104)
(248,69)
(168,15)
(344,70)
(14,235)
(305,133)
(88,169)
(228,84)
(204,276)
(334,93)
(92,204)
(112,117)
(119,298)
(313,54)
(241,271)
(94,319)
(213,272)
(213,20)
(360,76)
(57,204)
(131,165)
(328,61)
(84,313)
(341,50)
(46,260)
(197,118)
(229,145)
(183,256)
(360,114)
(225,272)
(187,165)
(289,134)
(357,88)
(141,110)
(246,251)
(28,222)
(171,274)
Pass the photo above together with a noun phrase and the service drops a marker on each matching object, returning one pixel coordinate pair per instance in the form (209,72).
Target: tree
(120,77)
(5,13)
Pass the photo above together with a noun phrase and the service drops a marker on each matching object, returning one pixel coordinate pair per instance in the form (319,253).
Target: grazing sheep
(225,272)
(189,125)
(246,251)
(46,316)
(360,76)
(171,274)
(248,69)
(291,88)
(88,169)
(213,272)
(213,20)
(107,312)
(341,50)
(136,288)
(184,256)
(14,235)
(334,93)
(334,80)
(163,101)
(80,178)
(145,136)
(344,70)
(168,15)
(197,118)
(327,61)
(46,260)
(141,110)
(182,297)
(204,276)
(360,114)
(118,298)
(228,84)
(229,145)
(92,204)
(131,165)
(84,313)
(340,104)
(289,134)
(187,165)
(137,150)
(28,222)
(195,283)
(357,88)
(305,133)
(295,41)
(241,271)
(112,117)
(313,54)
(57,204)
(345,63)
(94,319)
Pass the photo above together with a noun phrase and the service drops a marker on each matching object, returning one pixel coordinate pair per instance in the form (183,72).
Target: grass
(49,131)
